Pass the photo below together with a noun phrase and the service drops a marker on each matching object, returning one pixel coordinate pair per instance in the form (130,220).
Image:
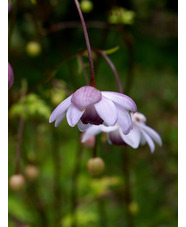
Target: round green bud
(86,6)
(95,166)
(33,48)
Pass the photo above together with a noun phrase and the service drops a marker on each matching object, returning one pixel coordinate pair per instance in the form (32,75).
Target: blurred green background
(137,188)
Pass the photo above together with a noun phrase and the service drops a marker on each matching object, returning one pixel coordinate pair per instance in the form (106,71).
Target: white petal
(121,99)
(152,133)
(133,138)
(91,131)
(107,111)
(59,119)
(82,127)
(124,119)
(60,109)
(148,140)
(73,115)
(108,128)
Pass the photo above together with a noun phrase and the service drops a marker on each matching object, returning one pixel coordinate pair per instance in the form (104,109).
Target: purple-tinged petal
(86,96)
(60,109)
(59,119)
(148,140)
(107,111)
(108,129)
(124,119)
(82,127)
(133,138)
(91,131)
(115,138)
(121,99)
(73,115)
(152,133)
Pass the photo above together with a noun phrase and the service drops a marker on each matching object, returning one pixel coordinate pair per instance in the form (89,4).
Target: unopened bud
(90,142)
(95,166)
(33,48)
(16,182)
(31,172)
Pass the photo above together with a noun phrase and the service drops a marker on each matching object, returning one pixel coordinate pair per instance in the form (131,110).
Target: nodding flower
(140,134)
(89,106)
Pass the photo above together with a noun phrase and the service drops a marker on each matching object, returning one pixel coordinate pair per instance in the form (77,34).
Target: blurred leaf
(31,105)
(18,210)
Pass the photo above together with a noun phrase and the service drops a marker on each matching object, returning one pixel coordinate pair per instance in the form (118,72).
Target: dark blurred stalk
(18,148)
(127,189)
(57,203)
(128,40)
(102,212)
(75,174)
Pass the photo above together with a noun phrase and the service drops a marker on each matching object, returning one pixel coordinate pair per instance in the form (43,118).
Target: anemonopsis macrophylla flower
(10,76)
(140,134)
(88,106)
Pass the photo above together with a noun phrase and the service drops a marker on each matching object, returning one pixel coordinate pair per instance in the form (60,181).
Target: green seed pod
(95,166)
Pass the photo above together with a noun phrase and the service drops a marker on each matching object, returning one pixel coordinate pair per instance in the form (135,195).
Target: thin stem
(113,69)
(87,44)
(95,148)
(18,149)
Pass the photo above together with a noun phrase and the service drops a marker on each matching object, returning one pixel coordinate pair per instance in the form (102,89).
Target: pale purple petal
(59,119)
(133,138)
(86,96)
(124,119)
(107,111)
(148,140)
(152,133)
(73,115)
(91,131)
(60,109)
(108,129)
(121,99)
(83,127)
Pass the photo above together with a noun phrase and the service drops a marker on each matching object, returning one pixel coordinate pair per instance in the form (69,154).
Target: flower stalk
(87,44)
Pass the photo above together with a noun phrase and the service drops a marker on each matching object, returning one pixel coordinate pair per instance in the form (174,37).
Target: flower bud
(31,172)
(95,166)
(33,48)
(133,208)
(10,76)
(86,6)
(16,182)
(90,142)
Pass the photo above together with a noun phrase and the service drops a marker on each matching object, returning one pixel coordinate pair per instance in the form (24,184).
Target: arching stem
(87,44)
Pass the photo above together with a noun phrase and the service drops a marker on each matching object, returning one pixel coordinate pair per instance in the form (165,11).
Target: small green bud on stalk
(33,48)
(95,166)
(86,6)
(133,208)
(31,172)
(16,182)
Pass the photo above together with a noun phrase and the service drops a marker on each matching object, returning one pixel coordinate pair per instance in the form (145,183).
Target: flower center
(86,96)
(91,116)
(139,117)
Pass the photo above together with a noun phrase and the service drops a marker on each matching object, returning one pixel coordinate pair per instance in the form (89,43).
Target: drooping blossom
(10,76)
(140,134)
(88,106)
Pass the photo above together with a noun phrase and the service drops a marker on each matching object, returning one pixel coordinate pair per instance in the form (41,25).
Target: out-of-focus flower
(10,76)
(89,106)
(90,142)
(141,133)
(9,6)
